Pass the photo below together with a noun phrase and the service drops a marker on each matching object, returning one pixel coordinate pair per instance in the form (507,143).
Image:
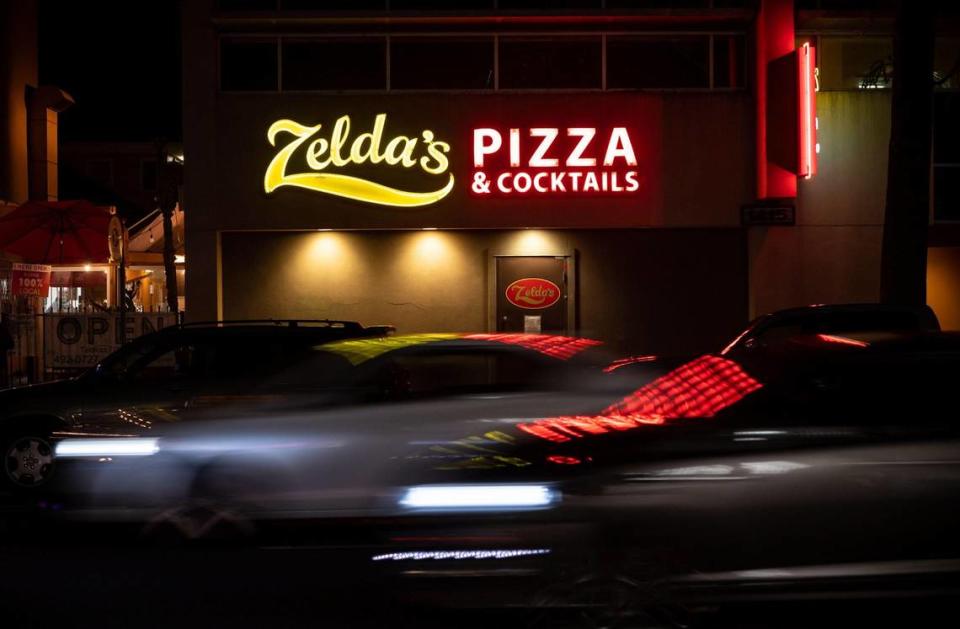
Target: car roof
(361,350)
(293,330)
(925,314)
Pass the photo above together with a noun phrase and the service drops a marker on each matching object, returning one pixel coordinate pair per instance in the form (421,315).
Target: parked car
(843,319)
(162,372)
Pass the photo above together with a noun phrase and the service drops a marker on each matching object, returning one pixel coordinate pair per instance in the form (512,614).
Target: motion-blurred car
(159,374)
(828,468)
(343,412)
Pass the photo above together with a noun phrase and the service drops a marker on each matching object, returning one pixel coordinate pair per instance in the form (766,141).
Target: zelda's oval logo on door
(533,293)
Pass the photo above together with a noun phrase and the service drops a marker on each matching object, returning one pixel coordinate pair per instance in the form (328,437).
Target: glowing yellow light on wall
(326,246)
(401,151)
(533,242)
(430,246)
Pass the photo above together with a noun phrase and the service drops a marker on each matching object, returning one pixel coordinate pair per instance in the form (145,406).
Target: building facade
(586,169)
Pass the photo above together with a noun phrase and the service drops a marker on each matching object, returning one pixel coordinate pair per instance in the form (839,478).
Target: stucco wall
(833,253)
(673,291)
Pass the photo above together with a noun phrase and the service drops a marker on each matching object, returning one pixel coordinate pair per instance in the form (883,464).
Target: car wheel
(28,461)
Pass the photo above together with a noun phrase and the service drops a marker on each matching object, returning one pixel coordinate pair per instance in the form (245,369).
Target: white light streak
(459,555)
(107,447)
(477,496)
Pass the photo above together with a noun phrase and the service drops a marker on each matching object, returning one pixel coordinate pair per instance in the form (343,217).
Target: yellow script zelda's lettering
(323,153)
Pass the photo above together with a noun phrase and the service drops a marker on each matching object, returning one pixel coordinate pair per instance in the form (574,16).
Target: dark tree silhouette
(904,258)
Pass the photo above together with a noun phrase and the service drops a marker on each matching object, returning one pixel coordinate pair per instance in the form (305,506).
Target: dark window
(559,5)
(148,174)
(335,64)
(848,5)
(946,128)
(657,4)
(441,63)
(333,5)
(946,193)
(946,63)
(314,372)
(248,65)
(946,156)
(439,5)
(247,5)
(542,63)
(638,62)
(729,61)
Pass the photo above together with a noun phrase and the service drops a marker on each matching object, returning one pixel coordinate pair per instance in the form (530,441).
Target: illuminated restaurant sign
(374,166)
(326,154)
(548,160)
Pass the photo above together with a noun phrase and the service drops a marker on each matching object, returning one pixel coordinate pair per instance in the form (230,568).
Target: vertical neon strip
(808,112)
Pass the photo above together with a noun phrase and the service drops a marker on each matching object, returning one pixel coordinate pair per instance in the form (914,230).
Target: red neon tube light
(807,91)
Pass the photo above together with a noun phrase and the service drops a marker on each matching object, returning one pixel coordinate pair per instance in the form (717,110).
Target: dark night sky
(120,60)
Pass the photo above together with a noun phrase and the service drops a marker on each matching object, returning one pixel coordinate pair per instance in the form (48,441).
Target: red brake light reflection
(562,347)
(700,388)
(842,340)
(631,360)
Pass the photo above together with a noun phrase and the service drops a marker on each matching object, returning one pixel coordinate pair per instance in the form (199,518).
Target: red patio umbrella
(56,232)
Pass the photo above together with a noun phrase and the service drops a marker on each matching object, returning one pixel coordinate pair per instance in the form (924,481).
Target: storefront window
(441,63)
(307,64)
(546,63)
(248,65)
(646,62)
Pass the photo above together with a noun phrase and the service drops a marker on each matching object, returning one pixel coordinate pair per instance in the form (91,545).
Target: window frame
(278,40)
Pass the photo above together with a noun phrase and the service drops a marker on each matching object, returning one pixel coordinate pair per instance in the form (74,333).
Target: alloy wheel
(29,461)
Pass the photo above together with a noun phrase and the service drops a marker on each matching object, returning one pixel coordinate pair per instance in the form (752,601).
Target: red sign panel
(533,293)
(30,279)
